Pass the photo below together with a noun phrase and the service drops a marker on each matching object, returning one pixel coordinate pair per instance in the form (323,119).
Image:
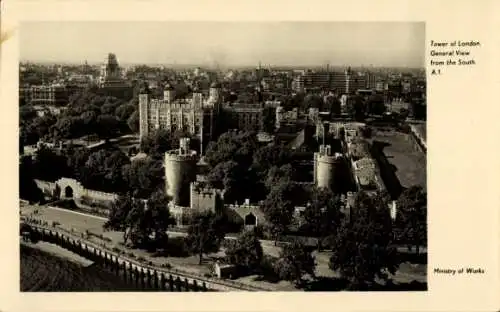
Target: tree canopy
(411,218)
(323,215)
(144,222)
(295,261)
(362,249)
(245,251)
(205,233)
(279,207)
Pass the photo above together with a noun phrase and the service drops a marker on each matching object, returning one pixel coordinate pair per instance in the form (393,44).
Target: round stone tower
(326,167)
(180,171)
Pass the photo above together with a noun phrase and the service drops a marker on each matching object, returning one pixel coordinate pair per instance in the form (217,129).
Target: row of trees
(144,223)
(362,243)
(107,170)
(87,113)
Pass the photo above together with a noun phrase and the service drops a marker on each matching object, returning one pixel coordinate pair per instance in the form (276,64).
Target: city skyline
(378,44)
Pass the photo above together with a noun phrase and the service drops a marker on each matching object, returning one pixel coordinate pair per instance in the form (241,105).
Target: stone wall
(141,274)
(205,198)
(243,214)
(66,188)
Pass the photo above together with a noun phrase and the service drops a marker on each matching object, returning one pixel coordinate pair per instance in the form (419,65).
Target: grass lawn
(408,163)
(188,263)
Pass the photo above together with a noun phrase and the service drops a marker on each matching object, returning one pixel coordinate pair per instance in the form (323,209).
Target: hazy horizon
(378,44)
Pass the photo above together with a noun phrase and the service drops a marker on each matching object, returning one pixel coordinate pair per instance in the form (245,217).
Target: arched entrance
(250,219)
(68,192)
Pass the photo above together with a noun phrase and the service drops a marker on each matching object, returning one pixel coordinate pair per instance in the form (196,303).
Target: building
(110,72)
(284,117)
(53,95)
(371,80)
(180,171)
(298,84)
(246,117)
(111,79)
(24,94)
(194,116)
(326,167)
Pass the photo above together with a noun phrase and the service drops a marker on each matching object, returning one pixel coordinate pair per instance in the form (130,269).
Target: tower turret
(180,171)
(143,111)
(197,97)
(327,166)
(169,93)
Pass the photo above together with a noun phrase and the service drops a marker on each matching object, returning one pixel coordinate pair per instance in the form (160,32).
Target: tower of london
(194,116)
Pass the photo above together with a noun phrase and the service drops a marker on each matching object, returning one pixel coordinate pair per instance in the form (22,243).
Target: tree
(118,213)
(270,155)
(236,146)
(362,248)
(107,126)
(49,165)
(356,107)
(269,116)
(246,251)
(76,159)
(411,218)
(322,216)
(158,218)
(205,234)
(275,175)
(278,208)
(376,105)
(144,176)
(229,160)
(144,222)
(294,262)
(124,111)
(157,143)
(333,105)
(104,171)
(28,189)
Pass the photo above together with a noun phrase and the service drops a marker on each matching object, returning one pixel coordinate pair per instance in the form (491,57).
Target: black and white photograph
(222,156)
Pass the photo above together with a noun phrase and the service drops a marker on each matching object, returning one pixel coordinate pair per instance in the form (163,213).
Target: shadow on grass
(266,272)
(387,169)
(339,284)
(420,258)
(176,247)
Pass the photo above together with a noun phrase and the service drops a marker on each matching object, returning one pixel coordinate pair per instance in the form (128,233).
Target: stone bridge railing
(145,275)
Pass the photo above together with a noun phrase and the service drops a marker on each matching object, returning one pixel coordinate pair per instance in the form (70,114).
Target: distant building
(298,84)
(24,94)
(53,95)
(111,78)
(246,117)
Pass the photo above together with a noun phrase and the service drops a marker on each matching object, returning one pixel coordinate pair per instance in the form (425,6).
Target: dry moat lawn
(409,164)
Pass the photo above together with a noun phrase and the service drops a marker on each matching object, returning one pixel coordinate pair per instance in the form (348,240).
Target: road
(80,222)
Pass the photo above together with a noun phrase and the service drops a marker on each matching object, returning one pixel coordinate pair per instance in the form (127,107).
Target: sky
(395,44)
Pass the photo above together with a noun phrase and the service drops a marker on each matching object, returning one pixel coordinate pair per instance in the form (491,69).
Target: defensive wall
(246,214)
(67,188)
(418,139)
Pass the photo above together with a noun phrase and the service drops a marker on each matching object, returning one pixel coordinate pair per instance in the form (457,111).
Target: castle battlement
(233,206)
(175,155)
(329,158)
